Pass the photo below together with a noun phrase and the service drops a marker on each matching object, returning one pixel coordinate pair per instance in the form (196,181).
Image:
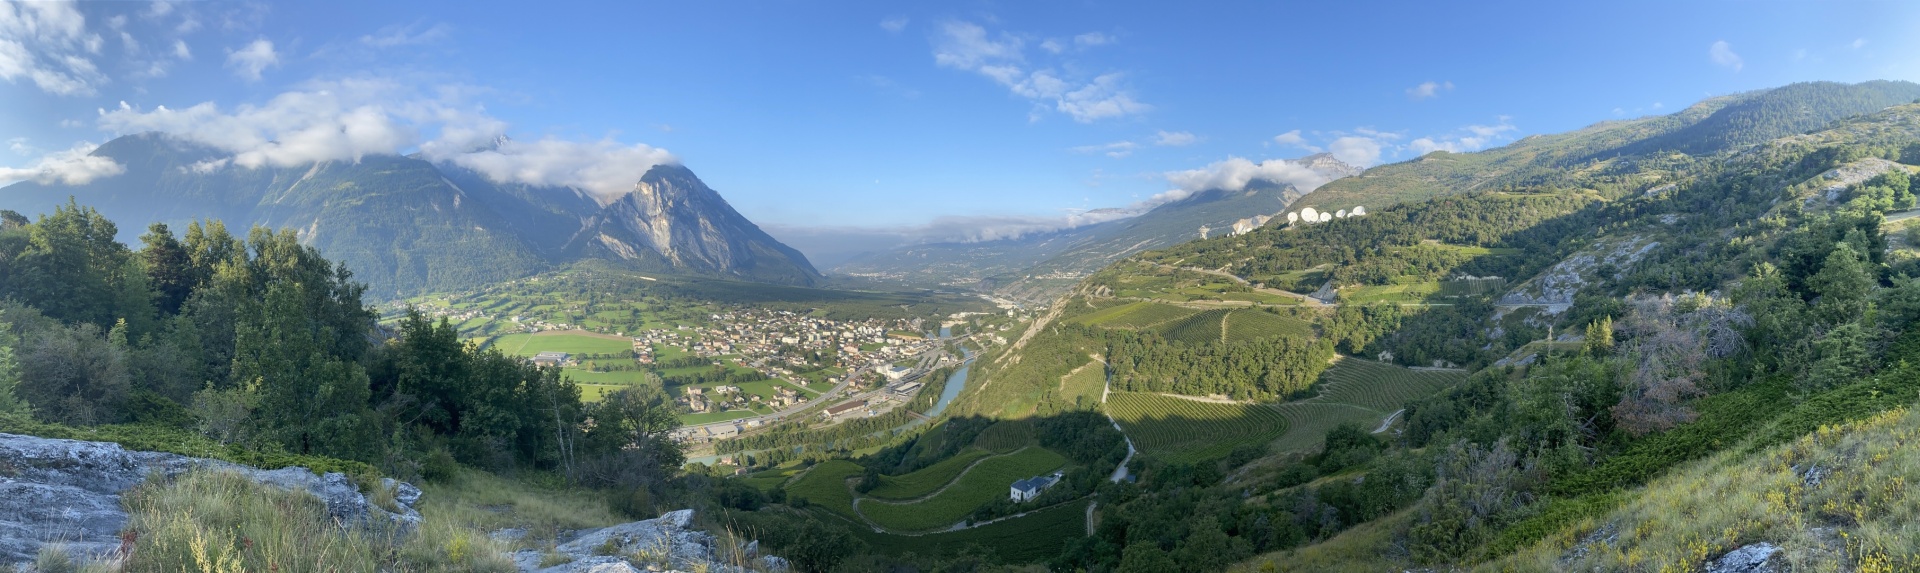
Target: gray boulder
(68,492)
(1755,558)
(660,544)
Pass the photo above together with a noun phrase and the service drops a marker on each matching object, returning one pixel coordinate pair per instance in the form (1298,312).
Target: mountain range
(406,224)
(1039,266)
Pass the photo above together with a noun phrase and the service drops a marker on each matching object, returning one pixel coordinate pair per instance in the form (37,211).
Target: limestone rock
(68,492)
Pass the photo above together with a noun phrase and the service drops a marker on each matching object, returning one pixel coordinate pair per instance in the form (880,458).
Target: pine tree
(10,402)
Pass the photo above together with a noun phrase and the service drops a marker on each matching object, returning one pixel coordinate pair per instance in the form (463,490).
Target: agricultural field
(1183,430)
(570,341)
(1406,293)
(1141,314)
(826,486)
(769,480)
(986,482)
(1472,287)
(927,479)
(1252,323)
(1359,391)
(711,417)
(1200,328)
(1034,537)
(1084,384)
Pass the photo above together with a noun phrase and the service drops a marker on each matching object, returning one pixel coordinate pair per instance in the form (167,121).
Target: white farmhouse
(1030,488)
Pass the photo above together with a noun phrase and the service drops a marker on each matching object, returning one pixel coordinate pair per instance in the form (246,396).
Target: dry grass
(213,522)
(1859,515)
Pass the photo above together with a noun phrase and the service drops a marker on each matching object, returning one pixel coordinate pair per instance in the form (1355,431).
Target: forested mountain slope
(1597,154)
(408,225)
(1612,323)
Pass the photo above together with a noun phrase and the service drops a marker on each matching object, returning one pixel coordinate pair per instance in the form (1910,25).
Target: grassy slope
(984,483)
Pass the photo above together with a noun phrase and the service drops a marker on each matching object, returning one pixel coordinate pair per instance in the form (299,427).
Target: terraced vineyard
(1356,390)
(1034,537)
(987,481)
(1248,324)
(1197,329)
(1182,430)
(826,486)
(1140,314)
(927,479)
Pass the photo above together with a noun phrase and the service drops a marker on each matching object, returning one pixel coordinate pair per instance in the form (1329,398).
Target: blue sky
(933,119)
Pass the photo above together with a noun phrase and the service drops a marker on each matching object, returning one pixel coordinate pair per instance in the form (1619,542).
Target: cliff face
(673,219)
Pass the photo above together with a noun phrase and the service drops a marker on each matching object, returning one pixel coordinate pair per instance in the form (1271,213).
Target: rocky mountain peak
(1328,165)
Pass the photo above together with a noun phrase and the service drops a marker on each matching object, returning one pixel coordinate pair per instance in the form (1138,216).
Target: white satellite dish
(1341,214)
(1324,217)
(1293,217)
(1358,211)
(1309,215)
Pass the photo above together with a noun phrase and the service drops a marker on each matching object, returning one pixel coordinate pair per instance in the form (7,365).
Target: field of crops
(1197,329)
(1355,390)
(1084,384)
(826,486)
(1395,293)
(524,344)
(1252,323)
(1035,537)
(1142,314)
(1178,429)
(1472,287)
(984,483)
(1380,386)
(927,479)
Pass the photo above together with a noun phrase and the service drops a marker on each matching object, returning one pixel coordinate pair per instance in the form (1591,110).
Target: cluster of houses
(720,398)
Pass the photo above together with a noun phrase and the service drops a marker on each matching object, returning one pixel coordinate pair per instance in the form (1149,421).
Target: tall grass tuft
(220,522)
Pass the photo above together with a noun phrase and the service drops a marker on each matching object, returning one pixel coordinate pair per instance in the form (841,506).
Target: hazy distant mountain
(1036,266)
(407,225)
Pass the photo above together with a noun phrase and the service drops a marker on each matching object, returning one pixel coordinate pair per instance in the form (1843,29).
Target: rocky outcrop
(660,544)
(68,492)
(1554,289)
(1756,558)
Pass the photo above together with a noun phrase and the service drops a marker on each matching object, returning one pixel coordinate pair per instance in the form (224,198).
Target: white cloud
(1116,150)
(47,43)
(1722,55)
(605,168)
(1294,139)
(1858,43)
(1053,46)
(894,24)
(248,61)
(1469,138)
(350,119)
(73,166)
(181,51)
(1428,90)
(1235,173)
(1091,39)
(1001,58)
(1175,138)
(410,35)
(1356,150)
